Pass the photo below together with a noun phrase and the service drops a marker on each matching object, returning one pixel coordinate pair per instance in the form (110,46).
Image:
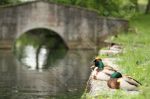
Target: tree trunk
(137,6)
(147,7)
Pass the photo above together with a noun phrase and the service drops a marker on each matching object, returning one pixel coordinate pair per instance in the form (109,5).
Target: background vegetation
(115,8)
(7,2)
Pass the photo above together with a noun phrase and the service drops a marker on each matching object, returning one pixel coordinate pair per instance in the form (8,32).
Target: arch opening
(39,48)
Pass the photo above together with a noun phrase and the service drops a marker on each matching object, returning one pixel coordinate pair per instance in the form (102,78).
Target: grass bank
(135,61)
(136,58)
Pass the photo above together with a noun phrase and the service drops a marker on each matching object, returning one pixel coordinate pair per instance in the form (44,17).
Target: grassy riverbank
(136,58)
(135,61)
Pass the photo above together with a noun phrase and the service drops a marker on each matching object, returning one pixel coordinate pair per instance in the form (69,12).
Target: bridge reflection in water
(66,75)
(43,67)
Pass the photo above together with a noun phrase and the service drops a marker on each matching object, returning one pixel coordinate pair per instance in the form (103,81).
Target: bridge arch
(46,34)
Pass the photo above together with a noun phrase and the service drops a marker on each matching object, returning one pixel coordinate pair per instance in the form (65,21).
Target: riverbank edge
(136,57)
(107,54)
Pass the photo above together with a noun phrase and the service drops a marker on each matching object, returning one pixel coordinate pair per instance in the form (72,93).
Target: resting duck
(98,63)
(101,72)
(118,81)
(115,47)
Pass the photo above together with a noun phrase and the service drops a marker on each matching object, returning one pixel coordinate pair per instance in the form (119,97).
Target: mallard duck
(119,81)
(114,46)
(101,72)
(99,63)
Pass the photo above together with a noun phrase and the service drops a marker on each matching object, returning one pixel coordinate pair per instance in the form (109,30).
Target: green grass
(136,58)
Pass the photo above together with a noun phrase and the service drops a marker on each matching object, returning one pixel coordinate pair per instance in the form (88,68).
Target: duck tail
(134,81)
(137,81)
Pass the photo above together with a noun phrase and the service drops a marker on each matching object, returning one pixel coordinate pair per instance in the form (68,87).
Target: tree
(147,7)
(135,4)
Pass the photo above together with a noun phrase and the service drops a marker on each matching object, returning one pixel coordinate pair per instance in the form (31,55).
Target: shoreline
(97,88)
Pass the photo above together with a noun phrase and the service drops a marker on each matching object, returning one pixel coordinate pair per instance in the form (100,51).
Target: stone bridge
(78,27)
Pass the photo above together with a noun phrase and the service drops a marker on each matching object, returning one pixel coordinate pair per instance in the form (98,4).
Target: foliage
(6,2)
(117,8)
(147,7)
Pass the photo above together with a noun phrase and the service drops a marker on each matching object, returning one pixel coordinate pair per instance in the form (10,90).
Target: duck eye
(94,60)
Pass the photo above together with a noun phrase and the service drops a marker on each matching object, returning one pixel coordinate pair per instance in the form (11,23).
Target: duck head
(116,75)
(98,63)
(114,81)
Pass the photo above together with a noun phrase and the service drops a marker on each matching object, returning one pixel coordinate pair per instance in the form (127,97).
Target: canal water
(66,77)
(43,68)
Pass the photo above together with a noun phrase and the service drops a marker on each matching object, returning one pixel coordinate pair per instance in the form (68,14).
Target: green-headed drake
(100,71)
(118,81)
(99,63)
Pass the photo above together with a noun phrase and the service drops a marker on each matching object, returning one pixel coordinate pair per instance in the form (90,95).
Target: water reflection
(67,75)
(39,48)
(46,57)
(45,69)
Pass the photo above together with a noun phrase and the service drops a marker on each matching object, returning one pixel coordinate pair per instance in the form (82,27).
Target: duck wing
(109,71)
(132,81)
(107,74)
(110,68)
